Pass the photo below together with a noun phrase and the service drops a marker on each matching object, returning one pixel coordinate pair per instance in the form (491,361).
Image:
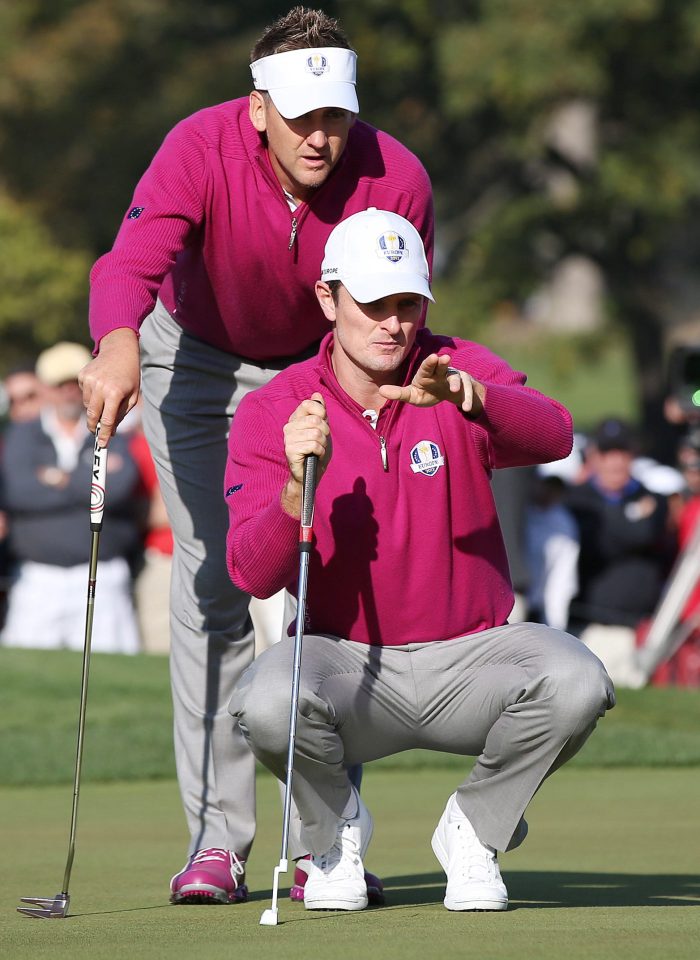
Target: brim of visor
(295,101)
(367,289)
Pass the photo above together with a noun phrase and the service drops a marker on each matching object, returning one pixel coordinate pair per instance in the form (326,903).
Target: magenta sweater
(408,554)
(210,231)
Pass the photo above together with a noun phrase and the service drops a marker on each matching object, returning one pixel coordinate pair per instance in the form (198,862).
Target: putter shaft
(269,917)
(56,907)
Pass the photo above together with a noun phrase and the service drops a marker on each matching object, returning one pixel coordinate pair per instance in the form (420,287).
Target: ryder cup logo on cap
(299,81)
(392,246)
(376,253)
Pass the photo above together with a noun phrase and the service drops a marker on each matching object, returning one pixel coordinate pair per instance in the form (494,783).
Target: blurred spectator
(552,539)
(4,556)
(689,462)
(21,399)
(535,577)
(152,586)
(668,482)
(46,480)
(622,561)
(23,391)
(689,520)
(511,488)
(552,550)
(683,668)
(153,575)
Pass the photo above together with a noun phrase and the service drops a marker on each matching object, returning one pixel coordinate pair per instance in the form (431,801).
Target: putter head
(269,917)
(46,908)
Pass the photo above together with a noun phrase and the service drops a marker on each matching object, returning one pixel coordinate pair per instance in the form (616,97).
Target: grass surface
(610,869)
(129,720)
(128,706)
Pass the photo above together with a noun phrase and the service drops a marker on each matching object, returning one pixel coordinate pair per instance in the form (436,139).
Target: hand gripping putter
(55,908)
(269,916)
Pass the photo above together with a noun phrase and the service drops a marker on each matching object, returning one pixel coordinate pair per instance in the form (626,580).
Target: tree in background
(551,130)
(42,287)
(88,89)
(491,93)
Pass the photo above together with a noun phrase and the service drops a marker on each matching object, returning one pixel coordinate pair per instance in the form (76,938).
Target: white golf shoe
(336,880)
(473,877)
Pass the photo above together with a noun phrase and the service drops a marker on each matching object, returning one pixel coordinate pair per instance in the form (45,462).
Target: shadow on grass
(528,890)
(534,889)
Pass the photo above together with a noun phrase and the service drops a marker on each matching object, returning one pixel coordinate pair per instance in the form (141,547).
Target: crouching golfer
(407,642)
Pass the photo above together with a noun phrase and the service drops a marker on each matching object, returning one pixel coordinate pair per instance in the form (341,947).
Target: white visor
(299,81)
(375,254)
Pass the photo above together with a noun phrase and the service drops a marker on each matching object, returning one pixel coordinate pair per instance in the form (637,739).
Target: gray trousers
(522,698)
(190,393)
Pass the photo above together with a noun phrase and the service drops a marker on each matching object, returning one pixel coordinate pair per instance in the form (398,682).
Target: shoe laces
(343,855)
(475,860)
(235,865)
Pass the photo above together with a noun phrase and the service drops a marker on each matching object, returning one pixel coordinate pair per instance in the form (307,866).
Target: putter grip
(97,485)
(309,492)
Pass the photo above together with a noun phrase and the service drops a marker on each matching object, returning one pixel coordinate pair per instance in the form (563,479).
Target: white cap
(61,363)
(299,81)
(376,253)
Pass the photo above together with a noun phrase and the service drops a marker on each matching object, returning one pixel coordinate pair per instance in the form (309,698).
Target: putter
(269,916)
(55,908)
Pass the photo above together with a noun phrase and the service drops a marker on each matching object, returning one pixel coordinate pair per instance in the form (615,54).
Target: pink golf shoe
(210,876)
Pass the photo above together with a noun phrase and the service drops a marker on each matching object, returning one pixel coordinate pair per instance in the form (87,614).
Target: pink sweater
(210,231)
(408,554)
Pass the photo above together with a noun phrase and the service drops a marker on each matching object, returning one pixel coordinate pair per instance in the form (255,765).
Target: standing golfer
(407,642)
(215,263)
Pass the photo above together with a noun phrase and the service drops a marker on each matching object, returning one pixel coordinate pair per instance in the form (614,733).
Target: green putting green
(610,870)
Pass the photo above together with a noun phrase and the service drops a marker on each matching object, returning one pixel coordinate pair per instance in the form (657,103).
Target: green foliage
(475,89)
(42,286)
(97,84)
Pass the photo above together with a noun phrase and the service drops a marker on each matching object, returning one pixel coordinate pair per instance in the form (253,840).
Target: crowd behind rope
(592,540)
(45,452)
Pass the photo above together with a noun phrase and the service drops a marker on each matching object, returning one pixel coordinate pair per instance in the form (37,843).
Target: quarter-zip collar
(262,158)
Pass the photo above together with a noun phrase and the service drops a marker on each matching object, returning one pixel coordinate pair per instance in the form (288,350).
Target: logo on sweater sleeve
(134,213)
(426,458)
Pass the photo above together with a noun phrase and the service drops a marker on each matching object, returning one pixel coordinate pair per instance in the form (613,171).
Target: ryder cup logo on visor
(392,246)
(426,458)
(317,64)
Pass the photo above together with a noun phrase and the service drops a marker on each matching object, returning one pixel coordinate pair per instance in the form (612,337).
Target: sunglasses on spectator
(23,398)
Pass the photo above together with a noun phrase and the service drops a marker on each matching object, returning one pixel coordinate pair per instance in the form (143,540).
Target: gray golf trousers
(522,699)
(190,393)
